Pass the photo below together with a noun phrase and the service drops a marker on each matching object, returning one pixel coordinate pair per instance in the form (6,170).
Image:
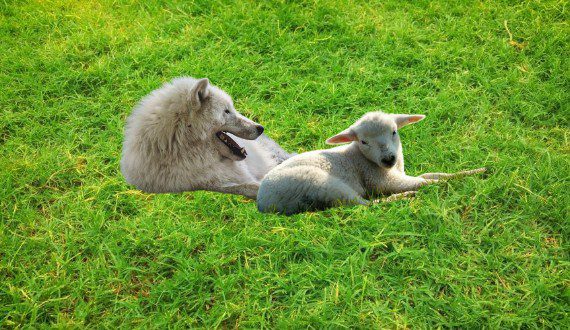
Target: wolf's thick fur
(173,142)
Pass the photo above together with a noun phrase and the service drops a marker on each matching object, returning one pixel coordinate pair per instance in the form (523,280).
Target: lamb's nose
(259,129)
(389,161)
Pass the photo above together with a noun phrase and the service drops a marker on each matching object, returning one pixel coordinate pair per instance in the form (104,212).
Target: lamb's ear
(200,92)
(345,136)
(403,120)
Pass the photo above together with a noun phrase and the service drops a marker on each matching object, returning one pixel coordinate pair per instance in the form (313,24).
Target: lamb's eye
(363,142)
(227,111)
(394,133)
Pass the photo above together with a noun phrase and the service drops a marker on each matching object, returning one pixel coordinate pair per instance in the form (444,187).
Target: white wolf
(187,135)
(373,163)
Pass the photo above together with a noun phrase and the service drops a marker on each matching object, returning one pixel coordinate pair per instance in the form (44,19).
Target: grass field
(79,247)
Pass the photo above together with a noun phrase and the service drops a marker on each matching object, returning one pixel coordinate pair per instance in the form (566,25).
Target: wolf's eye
(227,111)
(363,142)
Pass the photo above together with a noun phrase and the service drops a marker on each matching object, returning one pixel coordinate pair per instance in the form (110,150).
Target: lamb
(372,164)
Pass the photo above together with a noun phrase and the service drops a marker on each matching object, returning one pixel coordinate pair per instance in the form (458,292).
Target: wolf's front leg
(442,176)
(245,189)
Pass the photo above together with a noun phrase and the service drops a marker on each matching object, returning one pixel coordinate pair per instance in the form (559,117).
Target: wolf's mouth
(232,145)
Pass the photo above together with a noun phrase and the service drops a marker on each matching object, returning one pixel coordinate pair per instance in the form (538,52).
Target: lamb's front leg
(400,186)
(396,197)
(397,183)
(441,176)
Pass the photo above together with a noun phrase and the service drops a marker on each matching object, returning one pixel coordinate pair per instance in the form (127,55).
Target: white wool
(371,164)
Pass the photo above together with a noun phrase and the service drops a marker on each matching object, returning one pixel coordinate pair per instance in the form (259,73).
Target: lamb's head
(376,135)
(213,116)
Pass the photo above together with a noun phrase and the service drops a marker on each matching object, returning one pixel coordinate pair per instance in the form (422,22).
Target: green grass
(79,247)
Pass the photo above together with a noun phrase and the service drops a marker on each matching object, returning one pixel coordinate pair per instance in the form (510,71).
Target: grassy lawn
(79,247)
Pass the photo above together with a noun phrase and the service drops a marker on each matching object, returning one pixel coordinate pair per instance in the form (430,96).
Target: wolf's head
(211,115)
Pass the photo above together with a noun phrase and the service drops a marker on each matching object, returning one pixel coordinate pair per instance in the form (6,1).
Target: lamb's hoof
(480,170)
(474,172)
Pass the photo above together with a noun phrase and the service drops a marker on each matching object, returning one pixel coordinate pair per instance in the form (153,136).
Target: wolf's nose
(260,129)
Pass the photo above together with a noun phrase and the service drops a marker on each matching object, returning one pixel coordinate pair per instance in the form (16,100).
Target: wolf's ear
(403,120)
(200,92)
(345,136)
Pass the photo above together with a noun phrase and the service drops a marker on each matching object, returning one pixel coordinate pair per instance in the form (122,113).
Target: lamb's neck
(371,175)
(363,164)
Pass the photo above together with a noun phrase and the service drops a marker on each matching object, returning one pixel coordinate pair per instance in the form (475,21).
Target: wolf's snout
(389,161)
(260,129)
